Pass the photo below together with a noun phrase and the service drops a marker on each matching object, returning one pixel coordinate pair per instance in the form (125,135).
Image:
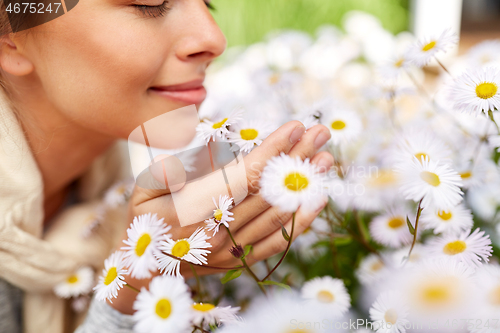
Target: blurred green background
(248,21)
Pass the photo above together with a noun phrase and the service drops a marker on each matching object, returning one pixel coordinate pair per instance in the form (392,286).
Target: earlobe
(11,60)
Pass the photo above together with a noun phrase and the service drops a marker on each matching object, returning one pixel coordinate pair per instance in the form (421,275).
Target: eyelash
(161,10)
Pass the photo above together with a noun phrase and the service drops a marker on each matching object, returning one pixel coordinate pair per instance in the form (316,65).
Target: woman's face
(110,65)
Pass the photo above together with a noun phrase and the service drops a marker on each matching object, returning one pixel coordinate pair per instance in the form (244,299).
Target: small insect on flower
(165,307)
(477,91)
(389,313)
(112,278)
(288,183)
(328,293)
(248,134)
(422,52)
(144,236)
(344,125)
(221,214)
(391,229)
(76,284)
(209,314)
(451,221)
(470,248)
(192,249)
(210,129)
(437,185)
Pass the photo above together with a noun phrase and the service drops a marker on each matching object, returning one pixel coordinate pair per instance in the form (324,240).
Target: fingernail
(321,139)
(324,164)
(297,133)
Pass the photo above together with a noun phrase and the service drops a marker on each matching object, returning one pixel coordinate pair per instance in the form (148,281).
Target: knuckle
(280,218)
(279,246)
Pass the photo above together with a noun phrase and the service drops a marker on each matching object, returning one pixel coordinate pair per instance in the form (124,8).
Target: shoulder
(10,308)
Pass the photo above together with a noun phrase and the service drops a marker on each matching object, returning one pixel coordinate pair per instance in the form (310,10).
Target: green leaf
(341,241)
(231,275)
(285,233)
(283,280)
(410,226)
(248,249)
(274,283)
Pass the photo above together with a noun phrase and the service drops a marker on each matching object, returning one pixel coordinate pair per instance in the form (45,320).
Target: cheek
(97,73)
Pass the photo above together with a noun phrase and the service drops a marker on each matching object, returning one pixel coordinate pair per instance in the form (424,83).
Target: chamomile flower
(76,284)
(488,278)
(418,142)
(391,71)
(421,53)
(470,248)
(209,314)
(192,249)
(391,229)
(144,236)
(328,293)
(165,307)
(288,183)
(477,91)
(218,127)
(389,313)
(112,278)
(485,53)
(372,268)
(344,125)
(119,193)
(221,214)
(437,185)
(450,221)
(438,289)
(248,134)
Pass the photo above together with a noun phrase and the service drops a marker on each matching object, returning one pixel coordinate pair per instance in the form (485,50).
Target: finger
(275,243)
(272,219)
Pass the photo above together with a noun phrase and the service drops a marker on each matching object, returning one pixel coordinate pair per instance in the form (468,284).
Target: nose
(203,40)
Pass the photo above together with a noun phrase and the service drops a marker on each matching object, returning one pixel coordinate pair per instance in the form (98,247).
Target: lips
(192,92)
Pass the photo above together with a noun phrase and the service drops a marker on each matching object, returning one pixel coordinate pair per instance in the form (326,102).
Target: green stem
(443,67)
(198,283)
(286,250)
(490,114)
(336,267)
(248,269)
(419,211)
(132,287)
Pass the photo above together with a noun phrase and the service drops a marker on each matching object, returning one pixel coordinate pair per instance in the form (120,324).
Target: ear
(12,60)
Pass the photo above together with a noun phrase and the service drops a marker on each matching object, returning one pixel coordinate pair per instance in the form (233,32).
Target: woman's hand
(255,221)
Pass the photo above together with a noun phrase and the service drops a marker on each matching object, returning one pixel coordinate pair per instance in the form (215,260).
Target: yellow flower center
(430,178)
(465,175)
(111,276)
(391,316)
(163,308)
(181,248)
(383,178)
(219,124)
(203,307)
(429,46)
(218,215)
(296,181)
(324,296)
(299,331)
(455,247)
(274,78)
(420,155)
(338,125)
(376,266)
(445,215)
(396,222)
(72,279)
(436,294)
(120,190)
(495,296)
(142,244)
(399,63)
(486,90)
(248,134)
